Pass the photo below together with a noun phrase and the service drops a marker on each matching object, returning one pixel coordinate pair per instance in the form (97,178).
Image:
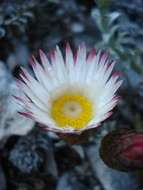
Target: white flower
(70,95)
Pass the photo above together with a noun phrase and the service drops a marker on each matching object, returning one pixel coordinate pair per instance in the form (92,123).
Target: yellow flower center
(72,110)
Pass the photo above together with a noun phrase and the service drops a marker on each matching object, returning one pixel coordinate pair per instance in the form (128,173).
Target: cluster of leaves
(16,14)
(119,43)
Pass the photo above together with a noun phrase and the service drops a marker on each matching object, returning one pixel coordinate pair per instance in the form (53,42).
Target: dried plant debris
(31,152)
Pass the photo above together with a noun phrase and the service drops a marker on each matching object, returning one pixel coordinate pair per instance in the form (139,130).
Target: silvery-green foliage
(111,36)
(119,43)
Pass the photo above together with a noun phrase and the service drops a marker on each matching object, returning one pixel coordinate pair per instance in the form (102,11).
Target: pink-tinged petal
(109,106)
(80,64)
(37,68)
(103,57)
(115,99)
(92,126)
(111,65)
(22,100)
(117,85)
(31,61)
(111,82)
(117,73)
(118,98)
(35,62)
(59,56)
(60,68)
(98,124)
(91,55)
(23,73)
(107,116)
(69,57)
(19,83)
(57,130)
(109,70)
(102,65)
(26,114)
(75,56)
(26,77)
(70,67)
(103,62)
(48,129)
(68,48)
(80,55)
(39,98)
(109,93)
(83,48)
(43,57)
(33,84)
(40,74)
(52,56)
(53,129)
(92,69)
(45,62)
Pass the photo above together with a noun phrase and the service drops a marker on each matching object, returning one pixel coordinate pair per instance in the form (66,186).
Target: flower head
(122,149)
(71,94)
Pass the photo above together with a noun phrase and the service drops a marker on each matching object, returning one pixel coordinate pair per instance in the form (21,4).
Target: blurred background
(32,159)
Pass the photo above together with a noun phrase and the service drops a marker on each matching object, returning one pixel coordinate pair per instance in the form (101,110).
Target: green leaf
(113,16)
(103,5)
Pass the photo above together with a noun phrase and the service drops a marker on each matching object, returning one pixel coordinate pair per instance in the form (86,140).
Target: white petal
(70,63)
(80,64)
(36,95)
